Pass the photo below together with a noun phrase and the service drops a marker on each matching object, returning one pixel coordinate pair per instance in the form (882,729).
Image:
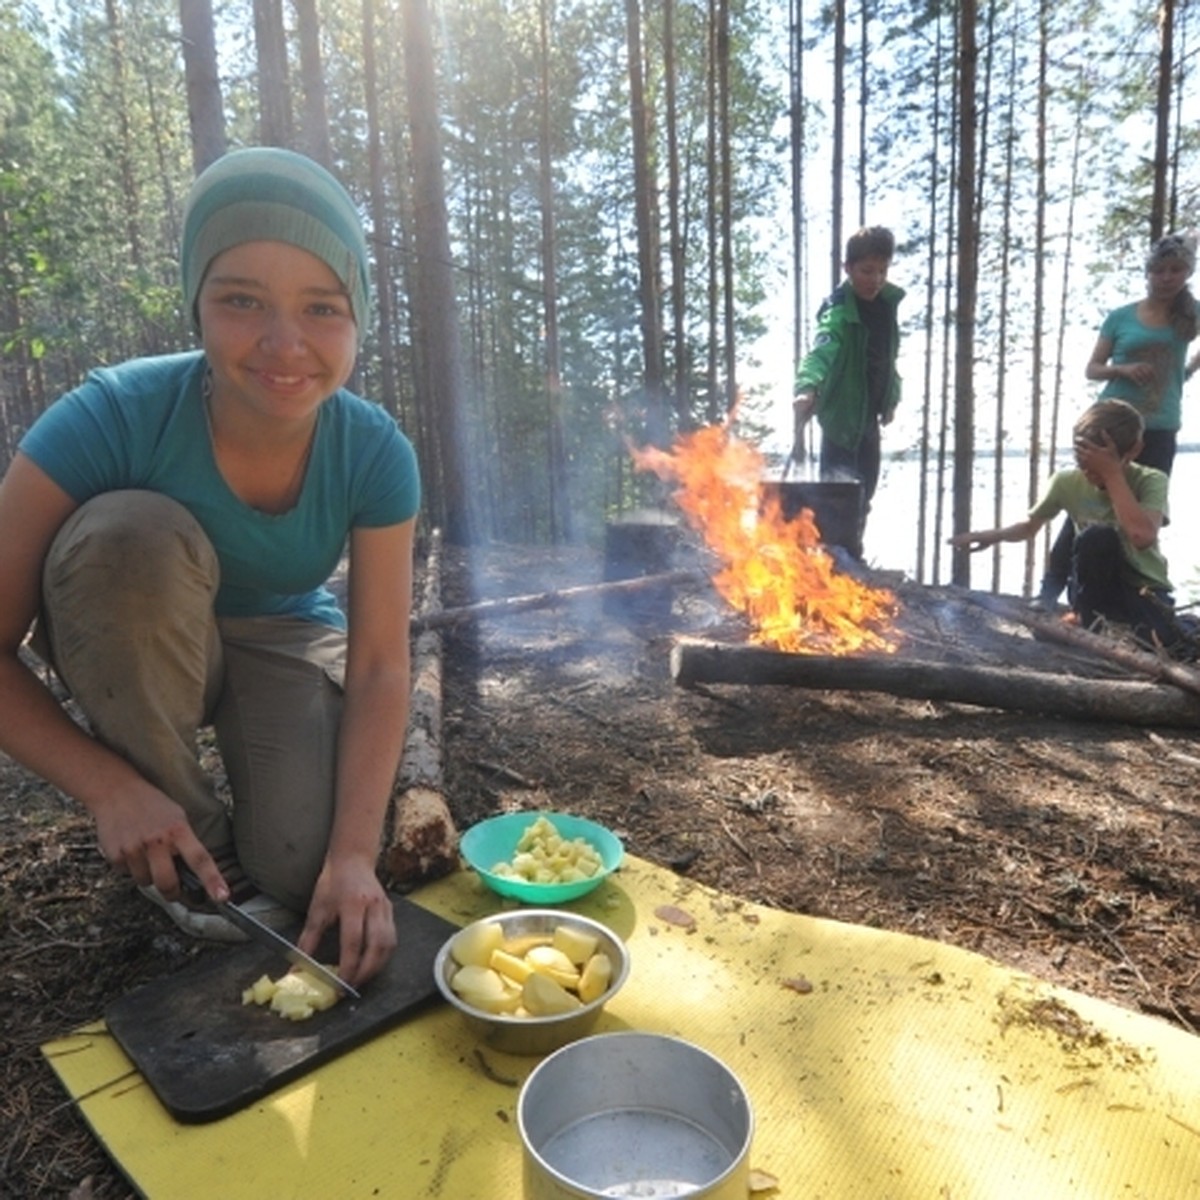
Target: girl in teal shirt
(170,526)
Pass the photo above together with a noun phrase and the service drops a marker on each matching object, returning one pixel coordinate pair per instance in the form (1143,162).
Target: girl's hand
(141,832)
(349,894)
(1136,372)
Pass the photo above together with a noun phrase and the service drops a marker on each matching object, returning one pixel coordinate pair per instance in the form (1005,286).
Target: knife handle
(193,893)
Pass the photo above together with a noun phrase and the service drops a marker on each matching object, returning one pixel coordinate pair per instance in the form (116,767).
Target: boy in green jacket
(849,378)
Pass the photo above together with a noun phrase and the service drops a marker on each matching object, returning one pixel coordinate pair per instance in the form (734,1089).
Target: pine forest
(595,225)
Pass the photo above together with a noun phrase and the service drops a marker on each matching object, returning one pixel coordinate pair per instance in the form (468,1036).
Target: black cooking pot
(837,507)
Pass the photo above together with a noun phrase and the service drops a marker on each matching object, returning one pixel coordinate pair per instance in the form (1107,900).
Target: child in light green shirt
(1116,506)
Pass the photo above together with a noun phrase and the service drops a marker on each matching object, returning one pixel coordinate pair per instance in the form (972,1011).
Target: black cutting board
(206,1054)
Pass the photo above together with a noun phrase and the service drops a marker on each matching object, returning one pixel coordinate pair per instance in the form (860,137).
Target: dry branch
(1131,702)
(505,606)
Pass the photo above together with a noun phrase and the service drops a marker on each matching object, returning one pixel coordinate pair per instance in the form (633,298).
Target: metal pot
(837,506)
(634,1114)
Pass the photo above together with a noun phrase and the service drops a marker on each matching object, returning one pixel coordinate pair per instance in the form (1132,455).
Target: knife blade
(264,934)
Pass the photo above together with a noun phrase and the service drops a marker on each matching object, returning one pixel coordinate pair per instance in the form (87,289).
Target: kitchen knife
(263,934)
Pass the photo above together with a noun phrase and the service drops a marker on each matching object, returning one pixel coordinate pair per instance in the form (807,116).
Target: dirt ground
(1069,850)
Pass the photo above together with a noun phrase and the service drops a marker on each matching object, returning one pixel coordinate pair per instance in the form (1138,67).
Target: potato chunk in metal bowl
(530,981)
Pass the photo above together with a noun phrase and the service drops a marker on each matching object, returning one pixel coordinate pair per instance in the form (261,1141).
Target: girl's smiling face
(277,329)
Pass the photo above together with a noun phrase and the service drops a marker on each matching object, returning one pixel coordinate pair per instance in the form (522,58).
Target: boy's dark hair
(1119,419)
(873,241)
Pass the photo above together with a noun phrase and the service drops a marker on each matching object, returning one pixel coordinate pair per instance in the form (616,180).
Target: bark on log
(424,843)
(1131,702)
(1154,666)
(443,618)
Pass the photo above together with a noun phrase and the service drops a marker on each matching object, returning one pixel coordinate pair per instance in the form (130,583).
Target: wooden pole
(487,609)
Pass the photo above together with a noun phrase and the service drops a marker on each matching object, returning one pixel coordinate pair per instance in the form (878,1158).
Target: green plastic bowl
(495,841)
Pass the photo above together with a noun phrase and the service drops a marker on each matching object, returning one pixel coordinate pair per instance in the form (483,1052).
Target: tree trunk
(556,454)
(999,517)
(728,287)
(274,98)
(1039,284)
(931,260)
(646,217)
(864,103)
(1162,117)
(380,225)
(964,332)
(314,127)
(436,309)
(797,128)
(677,250)
(711,256)
(206,115)
(124,148)
(838,104)
(1129,702)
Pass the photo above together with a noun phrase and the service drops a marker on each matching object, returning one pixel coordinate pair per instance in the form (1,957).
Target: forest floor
(1070,850)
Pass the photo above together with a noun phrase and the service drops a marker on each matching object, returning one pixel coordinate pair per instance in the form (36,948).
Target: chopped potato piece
(597,975)
(577,944)
(569,959)
(544,998)
(543,855)
(296,995)
(260,991)
(485,989)
(547,960)
(473,947)
(523,943)
(510,966)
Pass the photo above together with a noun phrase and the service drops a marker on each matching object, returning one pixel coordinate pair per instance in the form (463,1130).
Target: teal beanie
(270,194)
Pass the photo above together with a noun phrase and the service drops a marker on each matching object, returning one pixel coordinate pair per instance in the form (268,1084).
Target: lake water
(891,540)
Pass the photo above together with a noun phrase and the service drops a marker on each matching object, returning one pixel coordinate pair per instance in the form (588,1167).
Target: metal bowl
(535,1035)
(634,1114)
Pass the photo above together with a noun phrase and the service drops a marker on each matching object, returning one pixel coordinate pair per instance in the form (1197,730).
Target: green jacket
(836,367)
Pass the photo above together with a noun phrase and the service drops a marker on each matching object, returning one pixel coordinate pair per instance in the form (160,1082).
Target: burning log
(506,606)
(424,842)
(1129,702)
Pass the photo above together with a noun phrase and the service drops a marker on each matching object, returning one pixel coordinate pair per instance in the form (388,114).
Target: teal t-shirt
(1164,349)
(142,425)
(1069,491)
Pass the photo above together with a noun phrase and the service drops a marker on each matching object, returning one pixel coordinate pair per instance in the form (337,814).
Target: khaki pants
(127,623)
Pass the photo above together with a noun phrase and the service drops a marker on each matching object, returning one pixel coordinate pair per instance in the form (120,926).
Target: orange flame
(775,569)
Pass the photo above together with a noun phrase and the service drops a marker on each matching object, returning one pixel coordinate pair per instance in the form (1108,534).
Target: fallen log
(487,609)
(1051,628)
(1129,702)
(424,841)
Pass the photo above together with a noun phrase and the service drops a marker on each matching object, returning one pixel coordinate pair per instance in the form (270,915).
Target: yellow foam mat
(879,1066)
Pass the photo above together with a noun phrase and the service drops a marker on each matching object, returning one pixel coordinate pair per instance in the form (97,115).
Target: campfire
(776,571)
